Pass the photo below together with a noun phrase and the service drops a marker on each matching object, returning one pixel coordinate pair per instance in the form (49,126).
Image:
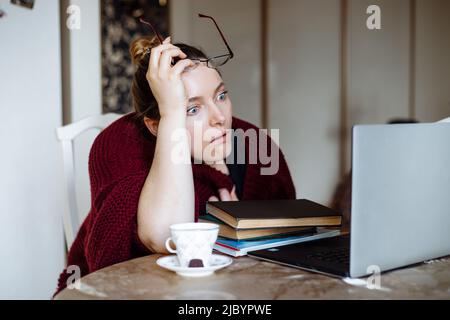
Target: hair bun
(140,48)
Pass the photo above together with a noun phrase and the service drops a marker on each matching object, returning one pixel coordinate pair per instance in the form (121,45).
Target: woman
(150,169)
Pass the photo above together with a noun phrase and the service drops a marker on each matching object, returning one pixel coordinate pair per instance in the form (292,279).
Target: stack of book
(246,226)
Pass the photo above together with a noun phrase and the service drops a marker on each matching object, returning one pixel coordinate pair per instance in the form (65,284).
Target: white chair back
(66,136)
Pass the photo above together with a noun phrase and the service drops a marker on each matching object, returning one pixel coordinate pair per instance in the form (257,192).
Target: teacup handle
(168,247)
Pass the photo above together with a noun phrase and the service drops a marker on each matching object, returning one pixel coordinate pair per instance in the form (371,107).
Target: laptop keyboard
(339,255)
(329,255)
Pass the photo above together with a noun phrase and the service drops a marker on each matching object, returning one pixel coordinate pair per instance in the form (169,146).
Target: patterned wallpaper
(120,26)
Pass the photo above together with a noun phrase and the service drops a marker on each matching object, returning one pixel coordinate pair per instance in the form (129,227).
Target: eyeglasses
(212,62)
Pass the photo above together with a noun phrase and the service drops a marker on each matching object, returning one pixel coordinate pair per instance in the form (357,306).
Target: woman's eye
(222,96)
(192,110)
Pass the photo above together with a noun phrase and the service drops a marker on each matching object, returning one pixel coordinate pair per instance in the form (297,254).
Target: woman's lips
(219,139)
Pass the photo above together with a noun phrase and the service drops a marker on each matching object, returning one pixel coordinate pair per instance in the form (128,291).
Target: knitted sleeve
(112,236)
(118,168)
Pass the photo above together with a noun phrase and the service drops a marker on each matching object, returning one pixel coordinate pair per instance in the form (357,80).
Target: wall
(378,62)
(378,65)
(31,237)
(82,90)
(304,91)
(432,92)
(412,44)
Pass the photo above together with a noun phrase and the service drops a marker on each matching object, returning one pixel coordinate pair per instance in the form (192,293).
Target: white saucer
(172,263)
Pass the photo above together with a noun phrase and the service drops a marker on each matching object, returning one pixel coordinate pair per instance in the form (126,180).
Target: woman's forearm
(167,196)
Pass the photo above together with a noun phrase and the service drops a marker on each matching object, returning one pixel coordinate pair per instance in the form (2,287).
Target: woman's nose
(216,117)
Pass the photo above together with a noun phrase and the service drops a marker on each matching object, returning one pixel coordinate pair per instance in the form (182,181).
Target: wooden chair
(66,136)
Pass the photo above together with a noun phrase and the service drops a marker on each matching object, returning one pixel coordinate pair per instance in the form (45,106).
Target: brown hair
(144,102)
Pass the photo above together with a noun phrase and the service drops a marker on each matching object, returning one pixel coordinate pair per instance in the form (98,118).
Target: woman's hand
(225,195)
(165,79)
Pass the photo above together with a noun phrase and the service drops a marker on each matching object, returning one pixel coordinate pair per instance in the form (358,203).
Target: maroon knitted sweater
(119,163)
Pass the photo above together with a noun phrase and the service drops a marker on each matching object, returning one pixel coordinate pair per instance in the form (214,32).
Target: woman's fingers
(179,67)
(233,194)
(168,90)
(224,195)
(161,60)
(155,55)
(165,62)
(213,198)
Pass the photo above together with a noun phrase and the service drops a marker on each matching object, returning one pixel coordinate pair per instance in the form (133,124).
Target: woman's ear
(152,125)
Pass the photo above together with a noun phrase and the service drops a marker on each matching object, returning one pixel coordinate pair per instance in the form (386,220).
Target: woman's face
(209,114)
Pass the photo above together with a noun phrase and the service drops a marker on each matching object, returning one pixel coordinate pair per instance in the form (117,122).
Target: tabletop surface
(248,278)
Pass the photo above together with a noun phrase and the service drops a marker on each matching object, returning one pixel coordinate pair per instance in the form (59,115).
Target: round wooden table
(247,278)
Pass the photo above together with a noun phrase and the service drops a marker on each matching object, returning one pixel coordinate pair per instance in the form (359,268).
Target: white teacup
(193,241)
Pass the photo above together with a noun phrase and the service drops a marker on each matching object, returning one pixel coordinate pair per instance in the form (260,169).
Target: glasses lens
(218,61)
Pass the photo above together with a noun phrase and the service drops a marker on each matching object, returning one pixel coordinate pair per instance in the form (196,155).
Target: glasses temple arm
(221,34)
(154,30)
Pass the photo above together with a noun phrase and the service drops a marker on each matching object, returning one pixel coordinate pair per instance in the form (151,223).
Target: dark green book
(258,214)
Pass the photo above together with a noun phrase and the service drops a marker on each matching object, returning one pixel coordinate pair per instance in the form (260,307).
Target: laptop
(400,205)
